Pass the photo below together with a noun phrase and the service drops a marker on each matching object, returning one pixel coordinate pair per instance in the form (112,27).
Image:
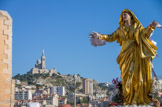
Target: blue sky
(61,28)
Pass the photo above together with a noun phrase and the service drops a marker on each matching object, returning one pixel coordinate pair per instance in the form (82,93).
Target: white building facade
(23,95)
(61,90)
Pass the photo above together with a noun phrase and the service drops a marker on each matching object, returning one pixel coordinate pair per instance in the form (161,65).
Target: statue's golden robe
(135,59)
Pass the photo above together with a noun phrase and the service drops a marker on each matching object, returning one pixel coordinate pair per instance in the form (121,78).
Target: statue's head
(127,15)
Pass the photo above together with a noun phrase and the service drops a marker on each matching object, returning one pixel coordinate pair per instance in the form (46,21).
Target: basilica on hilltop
(40,67)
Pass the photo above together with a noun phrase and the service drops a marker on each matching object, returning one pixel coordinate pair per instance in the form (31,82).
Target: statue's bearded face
(126,16)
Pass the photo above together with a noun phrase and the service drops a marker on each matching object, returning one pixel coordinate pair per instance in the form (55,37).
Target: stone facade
(13,93)
(5,59)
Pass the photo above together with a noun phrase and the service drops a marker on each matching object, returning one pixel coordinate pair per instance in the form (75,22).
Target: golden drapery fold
(135,59)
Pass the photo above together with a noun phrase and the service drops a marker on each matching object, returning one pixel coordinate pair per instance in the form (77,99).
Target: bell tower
(43,61)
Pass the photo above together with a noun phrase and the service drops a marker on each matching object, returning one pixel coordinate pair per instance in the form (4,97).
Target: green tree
(85,100)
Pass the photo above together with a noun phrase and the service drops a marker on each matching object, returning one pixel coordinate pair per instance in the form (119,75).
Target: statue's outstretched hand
(94,35)
(155,24)
(95,41)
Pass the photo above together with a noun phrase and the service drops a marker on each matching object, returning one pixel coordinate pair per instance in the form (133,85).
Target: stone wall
(5,59)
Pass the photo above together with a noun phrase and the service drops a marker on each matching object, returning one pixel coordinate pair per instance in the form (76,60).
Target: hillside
(56,80)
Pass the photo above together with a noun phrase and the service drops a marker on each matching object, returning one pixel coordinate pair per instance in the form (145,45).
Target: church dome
(38,61)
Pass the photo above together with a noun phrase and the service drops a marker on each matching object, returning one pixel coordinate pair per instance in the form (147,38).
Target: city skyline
(62,28)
